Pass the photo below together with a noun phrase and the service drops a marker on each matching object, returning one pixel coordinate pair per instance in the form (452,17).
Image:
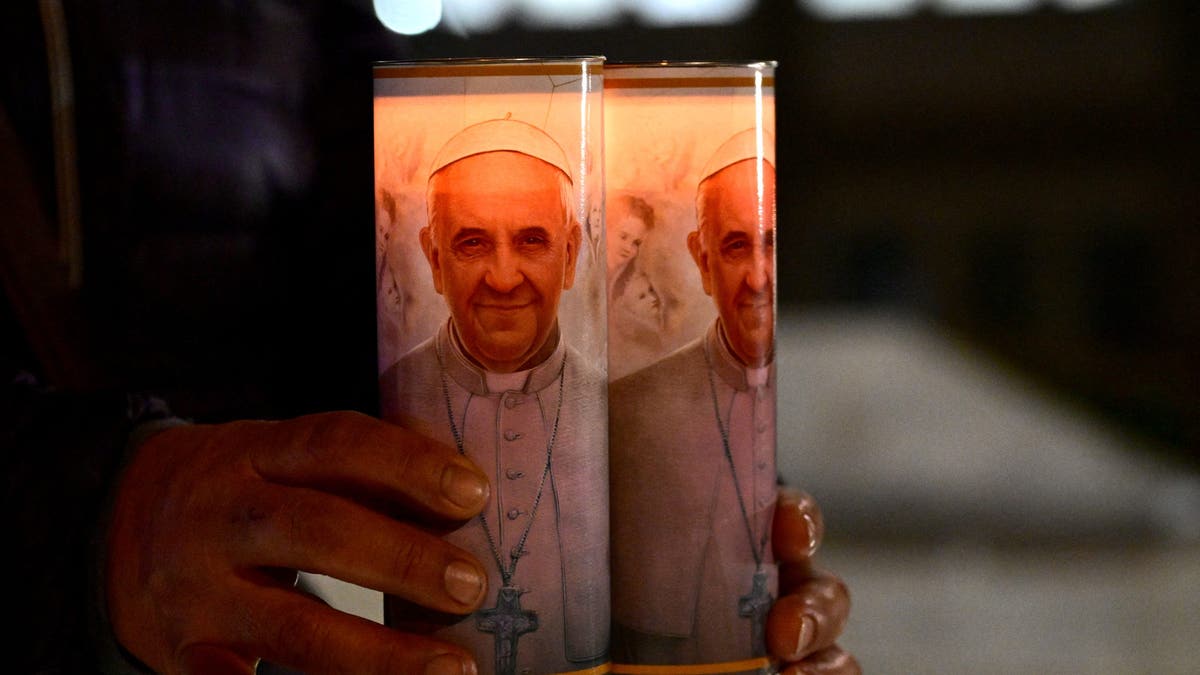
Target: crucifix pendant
(754,606)
(508,622)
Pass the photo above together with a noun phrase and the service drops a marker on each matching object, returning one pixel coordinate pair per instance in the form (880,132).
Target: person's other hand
(807,619)
(210,524)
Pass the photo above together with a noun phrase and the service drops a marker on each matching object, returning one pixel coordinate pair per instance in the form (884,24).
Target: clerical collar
(732,371)
(498,382)
(480,382)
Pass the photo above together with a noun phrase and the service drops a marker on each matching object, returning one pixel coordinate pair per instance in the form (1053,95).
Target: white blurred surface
(983,525)
(899,429)
(971,609)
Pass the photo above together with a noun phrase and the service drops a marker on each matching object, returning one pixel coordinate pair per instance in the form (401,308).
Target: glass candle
(488,189)
(690,255)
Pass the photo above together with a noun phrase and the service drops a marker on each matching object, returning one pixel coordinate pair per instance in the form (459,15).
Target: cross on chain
(508,622)
(754,606)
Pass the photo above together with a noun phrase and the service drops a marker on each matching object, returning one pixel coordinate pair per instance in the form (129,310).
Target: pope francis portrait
(500,382)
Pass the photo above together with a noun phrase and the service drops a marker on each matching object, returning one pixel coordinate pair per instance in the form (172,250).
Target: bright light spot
(984,6)
(409,17)
(685,12)
(477,16)
(483,16)
(569,13)
(891,9)
(861,9)
(1083,5)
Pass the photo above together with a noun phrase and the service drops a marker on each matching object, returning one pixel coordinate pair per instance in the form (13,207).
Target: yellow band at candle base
(601,669)
(758,665)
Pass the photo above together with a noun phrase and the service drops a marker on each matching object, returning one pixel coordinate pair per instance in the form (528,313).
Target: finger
(299,528)
(366,458)
(793,575)
(829,661)
(798,526)
(205,659)
(808,619)
(302,633)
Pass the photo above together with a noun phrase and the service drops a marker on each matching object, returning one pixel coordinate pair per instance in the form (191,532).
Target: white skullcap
(501,134)
(740,146)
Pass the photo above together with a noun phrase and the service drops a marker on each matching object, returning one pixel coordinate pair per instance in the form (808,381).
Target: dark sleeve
(62,454)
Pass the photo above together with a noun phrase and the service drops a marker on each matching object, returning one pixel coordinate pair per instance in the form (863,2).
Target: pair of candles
(576,290)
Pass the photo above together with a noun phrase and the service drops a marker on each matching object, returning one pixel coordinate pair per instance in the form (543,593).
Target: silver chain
(761,548)
(506,573)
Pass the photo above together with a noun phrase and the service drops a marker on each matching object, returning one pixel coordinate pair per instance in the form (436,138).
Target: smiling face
(625,239)
(502,247)
(734,248)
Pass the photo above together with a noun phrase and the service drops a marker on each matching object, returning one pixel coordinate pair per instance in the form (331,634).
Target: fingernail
(463,582)
(446,664)
(808,631)
(464,487)
(813,540)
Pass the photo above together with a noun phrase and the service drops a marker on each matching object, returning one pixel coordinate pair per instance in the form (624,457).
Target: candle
(488,189)
(690,253)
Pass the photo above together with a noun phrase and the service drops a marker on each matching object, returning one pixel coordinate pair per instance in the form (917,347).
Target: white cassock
(529,443)
(684,555)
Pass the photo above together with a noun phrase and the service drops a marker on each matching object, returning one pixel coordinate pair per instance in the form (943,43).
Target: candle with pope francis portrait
(690,208)
(490,290)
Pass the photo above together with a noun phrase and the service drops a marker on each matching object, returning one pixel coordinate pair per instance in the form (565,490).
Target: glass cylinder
(488,189)
(690,256)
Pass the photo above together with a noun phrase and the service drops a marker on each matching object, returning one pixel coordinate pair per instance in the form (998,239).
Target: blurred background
(989,266)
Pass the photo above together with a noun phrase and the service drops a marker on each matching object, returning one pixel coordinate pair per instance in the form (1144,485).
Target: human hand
(807,619)
(211,523)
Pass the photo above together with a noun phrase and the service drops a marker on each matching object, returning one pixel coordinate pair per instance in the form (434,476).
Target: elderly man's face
(735,251)
(502,247)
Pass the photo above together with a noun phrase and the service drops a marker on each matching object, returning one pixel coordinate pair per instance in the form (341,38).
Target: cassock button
(512,400)
(513,474)
(512,435)
(513,514)
(762,427)
(762,466)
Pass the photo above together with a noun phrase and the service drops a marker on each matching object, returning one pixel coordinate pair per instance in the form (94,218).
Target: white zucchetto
(501,134)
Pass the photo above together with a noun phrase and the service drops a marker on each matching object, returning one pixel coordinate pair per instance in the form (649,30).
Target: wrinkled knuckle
(250,511)
(394,658)
(323,433)
(305,523)
(301,631)
(408,561)
(251,519)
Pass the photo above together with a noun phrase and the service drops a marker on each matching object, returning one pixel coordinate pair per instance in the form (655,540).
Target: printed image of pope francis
(693,446)
(499,381)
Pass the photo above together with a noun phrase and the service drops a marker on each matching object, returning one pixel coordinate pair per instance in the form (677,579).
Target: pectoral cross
(755,605)
(508,622)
